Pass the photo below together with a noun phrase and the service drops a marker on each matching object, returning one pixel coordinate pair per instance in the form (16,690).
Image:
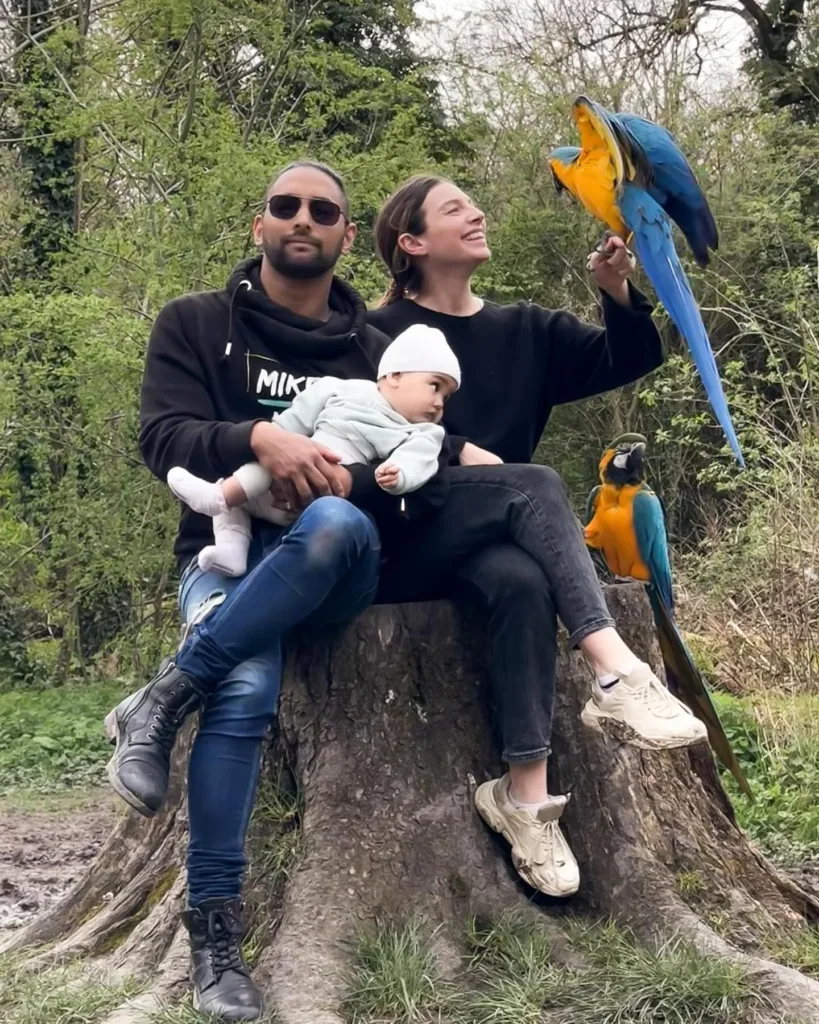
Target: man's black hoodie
(220,361)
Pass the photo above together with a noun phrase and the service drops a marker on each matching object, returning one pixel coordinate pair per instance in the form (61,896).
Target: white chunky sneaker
(656,720)
(539,849)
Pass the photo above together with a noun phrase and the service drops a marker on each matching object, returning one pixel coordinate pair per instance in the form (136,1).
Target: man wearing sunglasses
(219,364)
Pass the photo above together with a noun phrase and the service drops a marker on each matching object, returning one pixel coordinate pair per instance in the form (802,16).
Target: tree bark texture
(387,727)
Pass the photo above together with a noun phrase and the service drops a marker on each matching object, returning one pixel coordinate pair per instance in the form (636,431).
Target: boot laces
(223,943)
(164,727)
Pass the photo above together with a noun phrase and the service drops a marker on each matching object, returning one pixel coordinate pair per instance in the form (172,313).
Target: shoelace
(657,698)
(547,843)
(548,838)
(164,727)
(223,933)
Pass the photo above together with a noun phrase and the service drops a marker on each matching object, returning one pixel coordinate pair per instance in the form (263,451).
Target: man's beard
(300,269)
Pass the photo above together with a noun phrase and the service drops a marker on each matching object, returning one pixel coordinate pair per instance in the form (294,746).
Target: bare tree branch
(284,53)
(187,121)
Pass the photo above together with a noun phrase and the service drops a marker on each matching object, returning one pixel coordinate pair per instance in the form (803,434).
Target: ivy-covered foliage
(143,134)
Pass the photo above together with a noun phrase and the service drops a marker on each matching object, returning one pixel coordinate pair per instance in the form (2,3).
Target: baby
(397,419)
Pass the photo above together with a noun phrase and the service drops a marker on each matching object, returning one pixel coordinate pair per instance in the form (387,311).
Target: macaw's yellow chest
(611,530)
(596,189)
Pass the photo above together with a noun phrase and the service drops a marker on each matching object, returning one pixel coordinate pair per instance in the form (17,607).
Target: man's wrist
(258,433)
(347,478)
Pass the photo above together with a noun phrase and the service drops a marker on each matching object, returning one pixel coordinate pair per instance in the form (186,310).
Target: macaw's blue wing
(652,239)
(652,542)
(673,184)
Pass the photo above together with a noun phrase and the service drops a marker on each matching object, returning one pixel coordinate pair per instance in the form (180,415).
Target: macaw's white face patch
(621,460)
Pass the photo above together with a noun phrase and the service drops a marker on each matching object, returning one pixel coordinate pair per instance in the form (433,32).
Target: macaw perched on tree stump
(625,522)
(629,173)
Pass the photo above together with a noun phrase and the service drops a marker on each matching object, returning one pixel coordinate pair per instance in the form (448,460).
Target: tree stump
(387,728)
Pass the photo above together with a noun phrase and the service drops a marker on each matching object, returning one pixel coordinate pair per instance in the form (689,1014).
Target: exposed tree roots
(387,729)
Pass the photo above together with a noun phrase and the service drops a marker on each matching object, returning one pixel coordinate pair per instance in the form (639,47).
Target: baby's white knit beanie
(420,349)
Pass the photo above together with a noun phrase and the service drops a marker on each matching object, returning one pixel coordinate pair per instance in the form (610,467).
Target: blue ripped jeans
(323,570)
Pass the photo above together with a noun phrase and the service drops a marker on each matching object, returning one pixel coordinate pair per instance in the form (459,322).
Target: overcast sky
(722,55)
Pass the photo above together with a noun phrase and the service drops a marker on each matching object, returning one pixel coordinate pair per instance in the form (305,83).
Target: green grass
(274,846)
(274,834)
(509,978)
(690,884)
(51,740)
(776,739)
(55,997)
(513,980)
(60,802)
(396,977)
(799,950)
(676,985)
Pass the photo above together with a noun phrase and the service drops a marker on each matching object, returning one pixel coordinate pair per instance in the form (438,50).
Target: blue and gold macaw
(625,523)
(629,173)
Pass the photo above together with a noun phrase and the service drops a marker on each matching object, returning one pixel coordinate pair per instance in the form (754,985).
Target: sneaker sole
(112,732)
(592,717)
(488,811)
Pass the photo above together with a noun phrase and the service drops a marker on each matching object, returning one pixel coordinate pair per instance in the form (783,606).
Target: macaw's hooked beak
(627,446)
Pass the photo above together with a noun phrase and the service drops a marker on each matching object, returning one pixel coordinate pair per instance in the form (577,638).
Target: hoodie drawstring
(244,283)
(353,337)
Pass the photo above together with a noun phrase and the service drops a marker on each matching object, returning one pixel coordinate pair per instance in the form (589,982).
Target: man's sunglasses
(322,211)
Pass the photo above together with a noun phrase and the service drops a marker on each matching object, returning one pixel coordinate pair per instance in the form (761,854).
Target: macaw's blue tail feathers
(686,680)
(652,239)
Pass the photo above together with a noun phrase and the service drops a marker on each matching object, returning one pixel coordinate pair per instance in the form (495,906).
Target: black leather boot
(221,979)
(143,727)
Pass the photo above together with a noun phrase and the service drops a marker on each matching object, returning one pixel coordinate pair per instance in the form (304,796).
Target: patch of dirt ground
(43,852)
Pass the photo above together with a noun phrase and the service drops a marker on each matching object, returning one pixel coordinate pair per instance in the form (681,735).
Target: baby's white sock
(198,494)
(231,531)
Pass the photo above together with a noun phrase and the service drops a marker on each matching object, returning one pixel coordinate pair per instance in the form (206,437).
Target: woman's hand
(472,455)
(611,265)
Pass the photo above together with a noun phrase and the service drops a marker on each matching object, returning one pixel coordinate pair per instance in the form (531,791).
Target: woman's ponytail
(403,213)
(394,293)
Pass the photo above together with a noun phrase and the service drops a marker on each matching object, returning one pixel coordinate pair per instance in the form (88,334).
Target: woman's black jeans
(508,538)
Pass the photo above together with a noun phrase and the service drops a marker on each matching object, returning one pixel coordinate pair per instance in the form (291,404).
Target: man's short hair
(315,165)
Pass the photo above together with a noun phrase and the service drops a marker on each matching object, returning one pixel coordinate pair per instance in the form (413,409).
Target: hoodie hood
(219,361)
(254,316)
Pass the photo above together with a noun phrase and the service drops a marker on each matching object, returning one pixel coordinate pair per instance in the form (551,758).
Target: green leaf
(46,742)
